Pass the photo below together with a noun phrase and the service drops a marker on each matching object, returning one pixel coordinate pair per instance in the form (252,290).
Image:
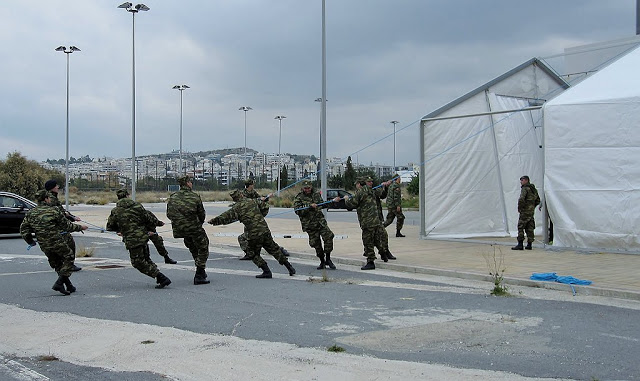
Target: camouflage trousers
(384,240)
(141,260)
(243,241)
(61,260)
(158,242)
(371,237)
(327,237)
(526,225)
(266,241)
(198,246)
(392,213)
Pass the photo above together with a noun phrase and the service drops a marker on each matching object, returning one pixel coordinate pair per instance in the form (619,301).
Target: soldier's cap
(359,180)
(235,194)
(369,178)
(122,193)
(306,184)
(248,182)
(42,194)
(183,180)
(50,184)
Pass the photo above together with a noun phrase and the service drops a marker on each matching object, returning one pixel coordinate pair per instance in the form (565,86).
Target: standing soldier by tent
(380,193)
(527,203)
(250,212)
(130,220)
(51,228)
(394,206)
(308,206)
(186,212)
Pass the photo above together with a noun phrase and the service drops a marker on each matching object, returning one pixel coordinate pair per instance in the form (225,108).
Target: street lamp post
(133,10)
(181,88)
(66,167)
(394,122)
(279,118)
(246,162)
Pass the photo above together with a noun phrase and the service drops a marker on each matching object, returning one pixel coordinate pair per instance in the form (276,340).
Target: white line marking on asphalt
(19,371)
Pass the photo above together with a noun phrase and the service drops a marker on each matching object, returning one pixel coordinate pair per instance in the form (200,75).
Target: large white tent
(474,149)
(592,159)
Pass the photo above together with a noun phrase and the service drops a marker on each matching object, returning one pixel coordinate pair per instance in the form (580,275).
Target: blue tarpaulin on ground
(553,277)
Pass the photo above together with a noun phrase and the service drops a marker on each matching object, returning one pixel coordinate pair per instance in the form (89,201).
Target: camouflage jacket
(130,219)
(528,200)
(53,201)
(380,193)
(250,212)
(156,221)
(250,194)
(394,199)
(50,227)
(186,212)
(364,201)
(311,218)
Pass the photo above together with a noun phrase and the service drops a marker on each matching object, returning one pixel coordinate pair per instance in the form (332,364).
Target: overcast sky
(386,60)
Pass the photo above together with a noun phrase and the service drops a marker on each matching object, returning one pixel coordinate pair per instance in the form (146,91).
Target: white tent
(471,163)
(592,156)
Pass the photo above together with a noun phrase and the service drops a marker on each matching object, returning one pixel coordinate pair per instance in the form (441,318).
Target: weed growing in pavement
(85,251)
(496,266)
(325,278)
(335,348)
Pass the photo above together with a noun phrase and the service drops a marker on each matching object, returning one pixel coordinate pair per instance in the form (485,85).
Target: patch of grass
(335,348)
(496,266)
(83,251)
(47,358)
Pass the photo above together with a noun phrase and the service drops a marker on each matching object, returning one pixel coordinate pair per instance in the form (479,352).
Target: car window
(331,194)
(10,202)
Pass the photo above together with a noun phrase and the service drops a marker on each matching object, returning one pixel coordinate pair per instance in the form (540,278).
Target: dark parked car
(12,211)
(333,193)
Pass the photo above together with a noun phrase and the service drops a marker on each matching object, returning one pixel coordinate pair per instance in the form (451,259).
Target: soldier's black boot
(292,271)
(320,255)
(518,246)
(383,256)
(528,247)
(168,260)
(284,251)
(398,234)
(246,257)
(329,262)
(390,256)
(59,286)
(369,266)
(70,287)
(200,277)
(266,272)
(162,281)
(76,268)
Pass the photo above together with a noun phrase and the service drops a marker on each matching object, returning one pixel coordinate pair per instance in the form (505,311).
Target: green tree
(336,181)
(25,177)
(349,176)
(284,177)
(414,185)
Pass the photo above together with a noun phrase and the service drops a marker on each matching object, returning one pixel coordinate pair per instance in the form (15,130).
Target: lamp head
(142,7)
(74,49)
(61,49)
(126,5)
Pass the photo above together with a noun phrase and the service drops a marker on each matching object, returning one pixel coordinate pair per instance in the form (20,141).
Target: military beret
(42,194)
(50,184)
(122,193)
(248,182)
(183,180)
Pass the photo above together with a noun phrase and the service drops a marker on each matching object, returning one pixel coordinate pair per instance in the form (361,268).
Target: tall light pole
(246,162)
(279,117)
(394,122)
(181,88)
(133,10)
(323,112)
(63,49)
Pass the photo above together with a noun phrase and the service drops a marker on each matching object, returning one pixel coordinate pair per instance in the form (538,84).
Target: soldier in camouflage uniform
(130,220)
(364,202)
(51,228)
(381,193)
(250,212)
(157,240)
(52,187)
(394,206)
(306,206)
(527,203)
(186,212)
(249,192)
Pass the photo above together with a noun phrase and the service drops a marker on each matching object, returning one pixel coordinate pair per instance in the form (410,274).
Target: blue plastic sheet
(553,277)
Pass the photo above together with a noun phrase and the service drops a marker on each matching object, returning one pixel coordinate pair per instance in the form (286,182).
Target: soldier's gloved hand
(214,221)
(160,223)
